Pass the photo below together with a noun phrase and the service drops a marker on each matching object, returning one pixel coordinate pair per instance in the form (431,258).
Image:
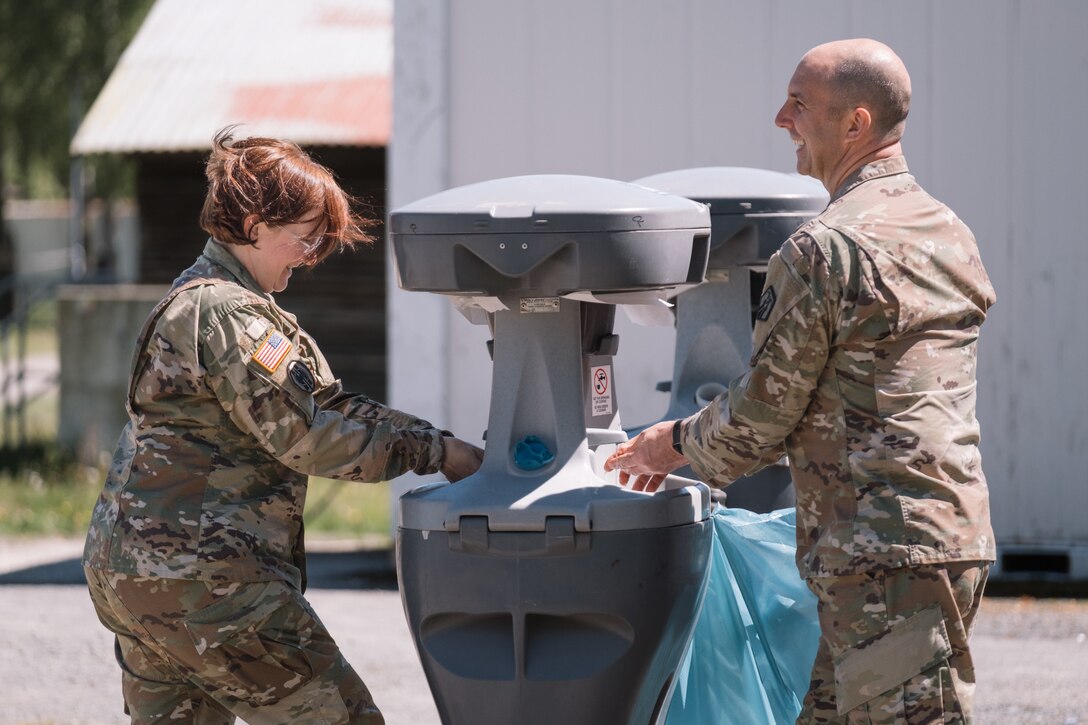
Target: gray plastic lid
(742,190)
(513,499)
(511,503)
(547,203)
(554,235)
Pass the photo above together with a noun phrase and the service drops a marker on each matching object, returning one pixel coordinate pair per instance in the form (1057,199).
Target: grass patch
(40,329)
(39,341)
(347,509)
(41,418)
(43,492)
(42,341)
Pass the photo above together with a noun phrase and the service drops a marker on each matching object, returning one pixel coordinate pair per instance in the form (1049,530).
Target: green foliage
(55,56)
(44,492)
(38,334)
(41,341)
(43,316)
(37,460)
(347,509)
(41,419)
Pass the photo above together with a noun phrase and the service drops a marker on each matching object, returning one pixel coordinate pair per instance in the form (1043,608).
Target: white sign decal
(600,382)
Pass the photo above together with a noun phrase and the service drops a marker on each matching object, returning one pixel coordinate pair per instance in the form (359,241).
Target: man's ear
(859,122)
(249,226)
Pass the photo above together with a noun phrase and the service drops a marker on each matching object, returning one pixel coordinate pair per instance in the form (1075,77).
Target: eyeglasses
(308,245)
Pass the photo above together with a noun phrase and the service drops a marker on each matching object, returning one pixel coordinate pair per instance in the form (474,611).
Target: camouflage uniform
(231,406)
(893,645)
(863,374)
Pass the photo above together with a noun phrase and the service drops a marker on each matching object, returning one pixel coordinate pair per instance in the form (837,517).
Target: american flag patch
(272,351)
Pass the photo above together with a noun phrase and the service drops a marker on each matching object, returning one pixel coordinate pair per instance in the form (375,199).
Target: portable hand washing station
(536,590)
(752,212)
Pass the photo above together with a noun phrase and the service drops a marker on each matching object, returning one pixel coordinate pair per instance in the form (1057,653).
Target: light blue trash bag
(751,654)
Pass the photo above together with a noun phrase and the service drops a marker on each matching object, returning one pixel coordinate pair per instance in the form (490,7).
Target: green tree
(55,55)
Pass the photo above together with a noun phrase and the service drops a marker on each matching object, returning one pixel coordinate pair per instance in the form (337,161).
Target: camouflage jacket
(231,406)
(863,374)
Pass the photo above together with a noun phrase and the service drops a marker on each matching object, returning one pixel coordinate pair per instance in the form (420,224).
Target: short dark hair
(279,183)
(862,83)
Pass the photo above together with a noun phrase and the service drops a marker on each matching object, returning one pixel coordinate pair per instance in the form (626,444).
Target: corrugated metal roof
(314,71)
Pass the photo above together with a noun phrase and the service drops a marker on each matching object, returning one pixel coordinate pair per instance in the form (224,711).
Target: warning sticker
(540,304)
(600,390)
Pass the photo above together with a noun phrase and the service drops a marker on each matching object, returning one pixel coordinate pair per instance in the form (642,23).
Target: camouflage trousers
(893,646)
(206,652)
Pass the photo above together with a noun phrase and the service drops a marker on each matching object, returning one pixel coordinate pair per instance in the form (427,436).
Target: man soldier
(863,376)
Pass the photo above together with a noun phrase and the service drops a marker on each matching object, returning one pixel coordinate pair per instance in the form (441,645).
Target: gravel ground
(56,663)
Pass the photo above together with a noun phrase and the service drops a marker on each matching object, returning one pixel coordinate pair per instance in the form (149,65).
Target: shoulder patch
(258,327)
(301,376)
(272,351)
(766,304)
(796,252)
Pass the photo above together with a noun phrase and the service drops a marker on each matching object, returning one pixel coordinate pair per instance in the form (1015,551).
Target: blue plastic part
(751,654)
(531,453)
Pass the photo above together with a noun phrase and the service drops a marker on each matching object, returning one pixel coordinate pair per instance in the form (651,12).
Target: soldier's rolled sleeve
(360,406)
(407,421)
(744,429)
(373,450)
(359,442)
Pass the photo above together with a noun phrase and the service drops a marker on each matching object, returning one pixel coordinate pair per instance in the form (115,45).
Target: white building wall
(626,88)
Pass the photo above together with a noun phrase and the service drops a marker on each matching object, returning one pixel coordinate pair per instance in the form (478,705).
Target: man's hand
(459,459)
(644,462)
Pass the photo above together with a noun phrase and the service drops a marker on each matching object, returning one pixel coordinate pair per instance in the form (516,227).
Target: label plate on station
(539,304)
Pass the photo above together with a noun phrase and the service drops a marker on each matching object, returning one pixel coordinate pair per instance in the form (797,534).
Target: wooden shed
(317,73)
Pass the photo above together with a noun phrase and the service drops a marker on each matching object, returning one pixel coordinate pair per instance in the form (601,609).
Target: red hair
(279,183)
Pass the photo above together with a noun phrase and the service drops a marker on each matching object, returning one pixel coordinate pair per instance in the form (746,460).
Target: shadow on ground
(375,569)
(364,569)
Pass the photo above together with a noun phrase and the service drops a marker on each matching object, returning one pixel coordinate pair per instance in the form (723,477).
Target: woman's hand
(459,459)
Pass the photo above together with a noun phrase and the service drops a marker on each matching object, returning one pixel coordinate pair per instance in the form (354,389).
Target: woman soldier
(195,555)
